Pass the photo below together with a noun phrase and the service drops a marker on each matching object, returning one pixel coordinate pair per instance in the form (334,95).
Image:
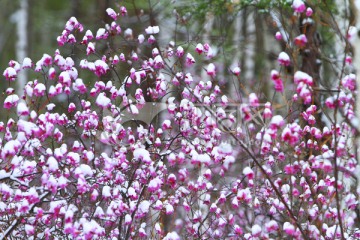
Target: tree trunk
(21,18)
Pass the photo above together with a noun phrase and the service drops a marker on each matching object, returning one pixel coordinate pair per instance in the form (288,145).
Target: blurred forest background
(241,33)
(230,27)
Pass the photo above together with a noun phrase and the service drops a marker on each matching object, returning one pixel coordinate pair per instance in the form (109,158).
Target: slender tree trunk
(75,8)
(22,42)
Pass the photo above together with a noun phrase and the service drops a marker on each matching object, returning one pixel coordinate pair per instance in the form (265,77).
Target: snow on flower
(210,70)
(284,59)
(189,59)
(155,184)
(22,109)
(144,208)
(351,34)
(289,229)
(199,48)
(349,81)
(172,236)
(236,71)
(166,124)
(101,67)
(90,48)
(253,100)
(52,164)
(158,62)
(301,40)
(271,226)
(298,6)
(11,101)
(101,34)
(256,230)
(10,74)
(143,155)
(277,121)
(27,63)
(39,90)
(248,172)
(309,12)
(111,13)
(152,30)
(303,77)
(180,51)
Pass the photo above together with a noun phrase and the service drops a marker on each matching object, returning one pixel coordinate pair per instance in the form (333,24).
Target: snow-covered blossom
(10,74)
(11,101)
(103,101)
(211,70)
(284,59)
(152,30)
(101,34)
(27,63)
(301,40)
(236,71)
(100,67)
(298,6)
(180,51)
(111,13)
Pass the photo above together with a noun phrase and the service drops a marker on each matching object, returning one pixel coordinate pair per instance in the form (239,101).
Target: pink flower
(190,59)
(180,51)
(309,12)
(29,230)
(71,39)
(277,122)
(211,70)
(166,125)
(90,48)
(101,68)
(267,111)
(348,60)
(349,82)
(158,62)
(171,180)
(284,59)
(10,74)
(155,184)
(248,172)
(111,13)
(22,109)
(199,48)
(303,77)
(253,100)
(289,229)
(298,6)
(27,63)
(11,101)
(237,230)
(300,40)
(101,34)
(151,39)
(236,71)
(123,11)
(271,226)
(256,230)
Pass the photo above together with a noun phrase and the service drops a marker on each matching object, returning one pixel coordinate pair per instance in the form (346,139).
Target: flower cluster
(77,161)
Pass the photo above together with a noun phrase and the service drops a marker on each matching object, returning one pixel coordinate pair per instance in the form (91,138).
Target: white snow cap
(152,30)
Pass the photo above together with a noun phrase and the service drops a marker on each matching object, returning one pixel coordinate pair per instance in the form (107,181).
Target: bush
(148,147)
